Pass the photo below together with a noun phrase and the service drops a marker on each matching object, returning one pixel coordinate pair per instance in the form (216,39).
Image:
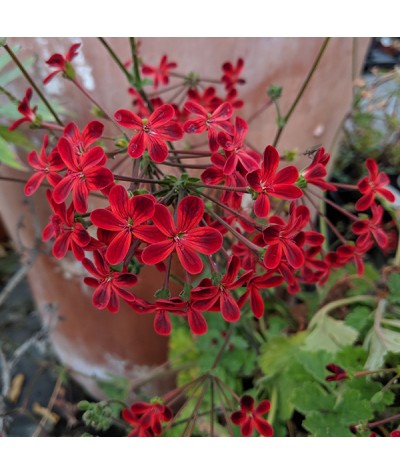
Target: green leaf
(279,351)
(117,387)
(9,76)
(394,288)
(353,409)
(360,318)
(16,137)
(314,363)
(8,157)
(325,425)
(330,335)
(351,358)
(379,342)
(310,396)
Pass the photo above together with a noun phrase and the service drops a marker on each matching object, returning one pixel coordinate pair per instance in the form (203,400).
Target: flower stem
(33,84)
(116,59)
(301,92)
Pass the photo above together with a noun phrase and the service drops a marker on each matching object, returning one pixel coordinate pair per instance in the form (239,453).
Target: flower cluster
(200,221)
(241,224)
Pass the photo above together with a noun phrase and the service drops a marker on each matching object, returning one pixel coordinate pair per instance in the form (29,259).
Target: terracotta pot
(95,343)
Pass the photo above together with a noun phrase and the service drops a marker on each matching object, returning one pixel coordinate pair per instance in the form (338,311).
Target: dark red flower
(216,297)
(372,185)
(316,172)
(70,235)
(62,64)
(153,133)
(254,284)
(231,97)
(338,373)
(212,122)
(214,175)
(47,166)
(237,152)
(184,237)
(162,308)
(348,252)
(268,182)
(249,418)
(146,418)
(81,141)
(364,228)
(231,74)
(125,219)
(285,239)
(209,100)
(85,173)
(196,320)
(161,73)
(395,433)
(138,102)
(110,285)
(24,108)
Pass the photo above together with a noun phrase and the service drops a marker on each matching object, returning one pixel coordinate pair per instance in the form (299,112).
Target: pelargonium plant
(233,220)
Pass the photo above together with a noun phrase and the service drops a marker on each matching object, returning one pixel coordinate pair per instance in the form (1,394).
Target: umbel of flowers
(228,248)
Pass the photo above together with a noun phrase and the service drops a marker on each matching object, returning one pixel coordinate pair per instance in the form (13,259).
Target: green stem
(116,59)
(274,406)
(341,303)
(301,92)
(136,74)
(33,84)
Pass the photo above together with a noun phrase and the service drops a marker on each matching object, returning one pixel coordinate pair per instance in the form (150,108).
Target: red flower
(161,74)
(347,252)
(231,97)
(249,418)
(316,172)
(146,418)
(286,239)
(47,167)
(237,152)
(70,235)
(255,283)
(212,122)
(85,173)
(268,182)
(139,103)
(372,185)
(338,373)
(110,285)
(24,108)
(395,433)
(215,174)
(231,74)
(62,64)
(197,322)
(153,133)
(365,227)
(185,237)
(126,219)
(208,296)
(161,308)
(208,99)
(81,141)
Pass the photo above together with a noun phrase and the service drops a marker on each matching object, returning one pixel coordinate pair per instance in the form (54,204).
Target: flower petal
(205,240)
(119,247)
(137,144)
(105,219)
(128,119)
(157,252)
(189,259)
